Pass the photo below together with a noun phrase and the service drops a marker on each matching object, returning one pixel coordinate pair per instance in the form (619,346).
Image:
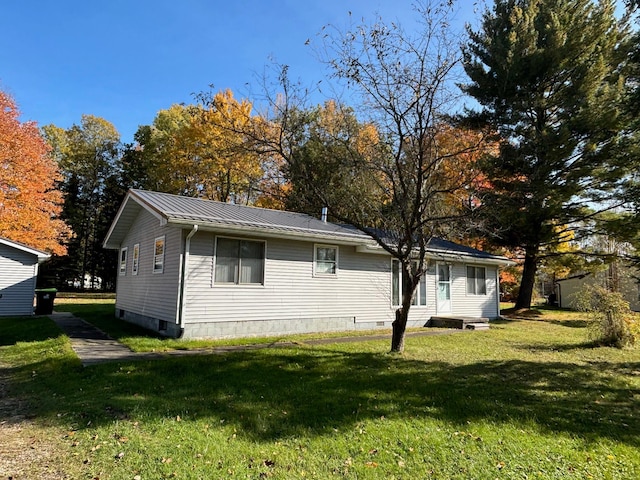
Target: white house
(199,268)
(18,272)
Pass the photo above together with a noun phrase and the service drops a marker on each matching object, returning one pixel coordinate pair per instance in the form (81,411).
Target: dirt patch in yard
(25,453)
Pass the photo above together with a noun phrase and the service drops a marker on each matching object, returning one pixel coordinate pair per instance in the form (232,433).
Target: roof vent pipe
(323,216)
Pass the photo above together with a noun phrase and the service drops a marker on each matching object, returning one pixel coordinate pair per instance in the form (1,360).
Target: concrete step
(477,326)
(455,321)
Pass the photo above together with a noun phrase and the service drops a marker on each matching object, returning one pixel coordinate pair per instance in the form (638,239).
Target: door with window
(444,289)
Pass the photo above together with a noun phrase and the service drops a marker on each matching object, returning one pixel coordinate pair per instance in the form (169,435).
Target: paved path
(90,344)
(94,346)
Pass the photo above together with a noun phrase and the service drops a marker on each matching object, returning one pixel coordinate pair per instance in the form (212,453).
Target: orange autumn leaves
(29,201)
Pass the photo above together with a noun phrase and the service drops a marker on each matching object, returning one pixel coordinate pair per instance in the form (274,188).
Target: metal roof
(179,209)
(211,215)
(185,212)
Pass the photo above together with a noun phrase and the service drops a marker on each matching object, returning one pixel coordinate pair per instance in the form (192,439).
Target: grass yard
(531,398)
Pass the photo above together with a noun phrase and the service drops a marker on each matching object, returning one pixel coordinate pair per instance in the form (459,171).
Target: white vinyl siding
(362,291)
(473,305)
(148,294)
(290,291)
(18,271)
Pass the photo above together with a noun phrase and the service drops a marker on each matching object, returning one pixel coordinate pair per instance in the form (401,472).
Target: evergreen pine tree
(546,74)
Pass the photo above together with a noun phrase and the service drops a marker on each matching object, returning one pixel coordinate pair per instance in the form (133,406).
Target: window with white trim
(158,255)
(123,261)
(419,295)
(135,261)
(476,280)
(239,262)
(325,260)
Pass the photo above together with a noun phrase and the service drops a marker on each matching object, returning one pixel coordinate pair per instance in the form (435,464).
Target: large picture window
(158,255)
(239,261)
(419,295)
(325,260)
(476,281)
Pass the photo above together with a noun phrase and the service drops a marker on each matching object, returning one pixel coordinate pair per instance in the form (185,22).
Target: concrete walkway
(90,344)
(94,346)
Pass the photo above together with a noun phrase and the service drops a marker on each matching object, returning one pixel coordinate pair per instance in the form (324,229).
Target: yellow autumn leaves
(202,150)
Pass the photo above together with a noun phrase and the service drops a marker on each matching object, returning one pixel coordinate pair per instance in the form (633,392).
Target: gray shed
(18,272)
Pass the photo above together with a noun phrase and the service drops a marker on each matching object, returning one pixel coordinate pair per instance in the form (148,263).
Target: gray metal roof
(188,210)
(207,214)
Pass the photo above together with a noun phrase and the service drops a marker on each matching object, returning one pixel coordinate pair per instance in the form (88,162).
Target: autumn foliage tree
(199,150)
(30,204)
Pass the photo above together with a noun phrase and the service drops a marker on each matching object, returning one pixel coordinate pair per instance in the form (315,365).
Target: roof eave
(446,256)
(42,256)
(335,238)
(131,196)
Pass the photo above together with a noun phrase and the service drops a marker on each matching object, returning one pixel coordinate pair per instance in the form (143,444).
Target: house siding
(293,297)
(464,304)
(293,300)
(18,272)
(147,298)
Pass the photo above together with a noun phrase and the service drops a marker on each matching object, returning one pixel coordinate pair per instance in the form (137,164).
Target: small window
(239,261)
(136,259)
(326,260)
(476,281)
(158,255)
(419,295)
(123,261)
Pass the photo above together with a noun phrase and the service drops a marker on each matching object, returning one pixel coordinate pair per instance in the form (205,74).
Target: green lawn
(530,398)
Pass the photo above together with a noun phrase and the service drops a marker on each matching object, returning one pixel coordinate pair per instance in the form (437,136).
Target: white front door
(444,289)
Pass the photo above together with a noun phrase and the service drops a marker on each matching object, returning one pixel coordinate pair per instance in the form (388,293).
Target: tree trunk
(402,314)
(528,278)
(399,326)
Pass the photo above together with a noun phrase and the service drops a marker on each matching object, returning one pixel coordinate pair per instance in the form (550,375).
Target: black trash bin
(44,300)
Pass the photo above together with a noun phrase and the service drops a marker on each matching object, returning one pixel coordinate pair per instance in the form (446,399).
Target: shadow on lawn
(278,393)
(26,329)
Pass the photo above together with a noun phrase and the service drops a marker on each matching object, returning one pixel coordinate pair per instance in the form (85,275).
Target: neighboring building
(200,268)
(18,272)
(568,288)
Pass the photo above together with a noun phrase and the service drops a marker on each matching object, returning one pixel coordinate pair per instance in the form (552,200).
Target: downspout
(183,280)
(498,290)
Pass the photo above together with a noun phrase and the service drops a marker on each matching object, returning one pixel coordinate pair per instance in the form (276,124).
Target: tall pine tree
(547,76)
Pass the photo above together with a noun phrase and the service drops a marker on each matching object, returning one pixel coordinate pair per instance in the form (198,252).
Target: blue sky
(124,60)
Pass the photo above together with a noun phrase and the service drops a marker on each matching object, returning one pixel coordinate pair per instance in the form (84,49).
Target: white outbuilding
(18,273)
